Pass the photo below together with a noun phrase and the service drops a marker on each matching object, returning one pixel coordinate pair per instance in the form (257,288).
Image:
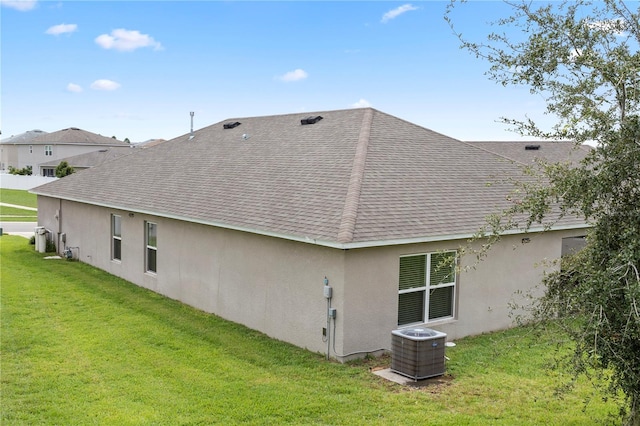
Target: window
(572,245)
(116,237)
(426,287)
(30,149)
(48,172)
(48,150)
(151,233)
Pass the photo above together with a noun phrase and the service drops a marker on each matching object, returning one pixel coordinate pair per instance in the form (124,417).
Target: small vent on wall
(532,147)
(231,125)
(311,120)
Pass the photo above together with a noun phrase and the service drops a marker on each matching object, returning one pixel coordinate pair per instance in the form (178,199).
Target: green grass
(80,346)
(12,214)
(18,197)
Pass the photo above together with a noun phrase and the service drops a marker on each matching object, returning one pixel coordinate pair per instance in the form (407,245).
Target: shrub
(50,247)
(26,171)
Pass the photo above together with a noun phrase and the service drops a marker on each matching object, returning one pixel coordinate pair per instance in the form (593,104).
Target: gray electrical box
(328,291)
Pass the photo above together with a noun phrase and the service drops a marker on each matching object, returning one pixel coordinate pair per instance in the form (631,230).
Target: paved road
(24,229)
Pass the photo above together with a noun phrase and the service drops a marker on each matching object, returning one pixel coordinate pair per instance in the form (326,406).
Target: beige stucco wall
(8,156)
(275,285)
(486,291)
(268,284)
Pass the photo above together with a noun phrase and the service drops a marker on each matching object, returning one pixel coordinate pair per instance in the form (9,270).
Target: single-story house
(254,218)
(20,152)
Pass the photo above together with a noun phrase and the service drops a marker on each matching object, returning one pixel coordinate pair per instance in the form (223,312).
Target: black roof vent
(532,147)
(311,120)
(231,124)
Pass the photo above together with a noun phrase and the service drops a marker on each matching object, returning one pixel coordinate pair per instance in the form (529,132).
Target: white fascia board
(453,237)
(309,240)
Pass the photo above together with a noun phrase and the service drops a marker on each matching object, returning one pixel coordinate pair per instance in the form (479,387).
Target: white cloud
(616,27)
(21,5)
(71,87)
(105,85)
(127,40)
(295,75)
(362,103)
(392,14)
(61,29)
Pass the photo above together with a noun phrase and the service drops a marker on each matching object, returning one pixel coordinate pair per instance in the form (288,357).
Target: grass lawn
(21,198)
(18,197)
(12,214)
(80,346)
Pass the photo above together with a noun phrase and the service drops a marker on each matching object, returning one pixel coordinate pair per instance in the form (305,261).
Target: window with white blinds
(427,285)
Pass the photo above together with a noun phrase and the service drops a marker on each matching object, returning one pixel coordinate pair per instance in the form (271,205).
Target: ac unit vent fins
(231,124)
(310,120)
(532,147)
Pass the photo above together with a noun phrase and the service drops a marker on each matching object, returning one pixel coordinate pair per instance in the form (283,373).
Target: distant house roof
(24,137)
(347,179)
(149,143)
(72,135)
(91,159)
(527,152)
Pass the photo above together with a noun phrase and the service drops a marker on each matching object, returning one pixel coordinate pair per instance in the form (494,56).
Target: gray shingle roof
(23,138)
(73,135)
(527,152)
(358,177)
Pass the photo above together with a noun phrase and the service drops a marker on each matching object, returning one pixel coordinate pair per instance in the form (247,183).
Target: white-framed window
(48,172)
(48,150)
(116,237)
(427,287)
(30,149)
(151,249)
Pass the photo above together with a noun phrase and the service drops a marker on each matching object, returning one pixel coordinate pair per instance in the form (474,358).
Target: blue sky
(136,69)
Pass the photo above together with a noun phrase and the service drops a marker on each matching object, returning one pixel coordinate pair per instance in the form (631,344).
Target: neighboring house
(150,143)
(52,147)
(248,217)
(85,161)
(9,147)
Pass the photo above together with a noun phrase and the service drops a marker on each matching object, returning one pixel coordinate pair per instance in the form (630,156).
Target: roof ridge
(475,145)
(294,114)
(350,212)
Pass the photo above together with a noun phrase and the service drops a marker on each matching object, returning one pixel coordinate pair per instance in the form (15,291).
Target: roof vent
(531,147)
(231,125)
(311,120)
(191,135)
(73,128)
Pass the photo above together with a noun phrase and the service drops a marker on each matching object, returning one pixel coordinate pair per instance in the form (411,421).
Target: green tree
(26,171)
(63,169)
(582,57)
